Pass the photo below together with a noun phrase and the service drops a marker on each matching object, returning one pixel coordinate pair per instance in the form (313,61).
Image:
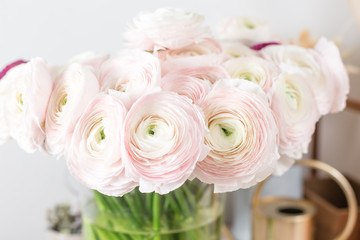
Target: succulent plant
(62,220)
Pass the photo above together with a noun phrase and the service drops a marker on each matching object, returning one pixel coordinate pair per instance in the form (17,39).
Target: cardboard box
(331,207)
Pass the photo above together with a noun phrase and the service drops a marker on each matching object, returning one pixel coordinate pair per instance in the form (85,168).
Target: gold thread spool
(304,219)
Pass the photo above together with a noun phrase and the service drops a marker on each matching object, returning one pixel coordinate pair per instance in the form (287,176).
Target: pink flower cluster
(177,104)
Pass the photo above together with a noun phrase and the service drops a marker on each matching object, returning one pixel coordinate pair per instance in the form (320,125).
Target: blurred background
(57,30)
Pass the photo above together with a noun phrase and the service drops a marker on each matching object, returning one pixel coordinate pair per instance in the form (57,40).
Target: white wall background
(57,30)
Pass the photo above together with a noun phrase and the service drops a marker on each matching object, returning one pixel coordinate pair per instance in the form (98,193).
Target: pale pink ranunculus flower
(94,152)
(243,136)
(92,59)
(249,31)
(194,88)
(74,88)
(253,69)
(165,28)
(25,100)
(89,59)
(206,47)
(284,164)
(207,67)
(310,64)
(133,72)
(294,107)
(5,83)
(163,140)
(336,73)
(4,129)
(234,49)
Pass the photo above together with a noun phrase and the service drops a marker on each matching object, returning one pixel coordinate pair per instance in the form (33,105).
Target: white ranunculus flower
(336,73)
(310,65)
(248,31)
(293,104)
(166,28)
(74,89)
(208,46)
(284,164)
(133,72)
(253,69)
(163,140)
(206,67)
(88,59)
(4,129)
(92,59)
(191,87)
(237,49)
(25,100)
(5,83)
(243,136)
(94,153)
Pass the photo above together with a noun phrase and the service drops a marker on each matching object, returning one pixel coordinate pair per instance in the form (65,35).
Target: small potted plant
(64,225)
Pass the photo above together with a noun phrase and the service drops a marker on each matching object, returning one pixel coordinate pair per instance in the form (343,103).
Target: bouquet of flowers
(177,104)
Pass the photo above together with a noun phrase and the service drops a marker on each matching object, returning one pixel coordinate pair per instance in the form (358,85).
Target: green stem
(201,190)
(135,210)
(100,202)
(189,195)
(182,202)
(176,210)
(173,204)
(148,203)
(156,216)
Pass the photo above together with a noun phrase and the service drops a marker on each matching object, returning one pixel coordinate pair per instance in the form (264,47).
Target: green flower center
(247,76)
(64,101)
(249,25)
(293,95)
(226,131)
(100,135)
(20,102)
(151,130)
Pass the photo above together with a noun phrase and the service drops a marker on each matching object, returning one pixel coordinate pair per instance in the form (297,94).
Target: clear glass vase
(191,212)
